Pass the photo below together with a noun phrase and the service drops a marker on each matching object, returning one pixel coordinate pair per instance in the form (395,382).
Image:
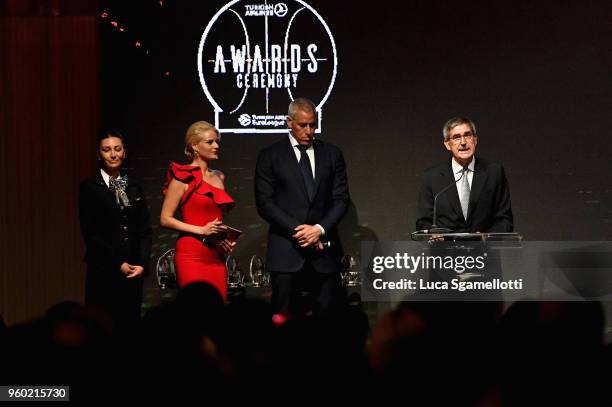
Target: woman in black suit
(117,232)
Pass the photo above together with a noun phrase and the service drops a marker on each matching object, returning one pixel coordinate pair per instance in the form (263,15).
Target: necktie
(306,169)
(464,193)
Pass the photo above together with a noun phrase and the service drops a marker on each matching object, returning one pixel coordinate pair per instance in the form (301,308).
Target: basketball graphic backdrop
(255,58)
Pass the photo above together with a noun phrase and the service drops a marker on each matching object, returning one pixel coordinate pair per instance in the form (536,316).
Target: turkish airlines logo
(261,10)
(280,9)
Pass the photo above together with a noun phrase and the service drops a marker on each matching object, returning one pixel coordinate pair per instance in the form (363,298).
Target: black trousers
(306,291)
(120,297)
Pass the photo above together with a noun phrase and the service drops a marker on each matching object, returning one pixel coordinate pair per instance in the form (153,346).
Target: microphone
(326,245)
(434,227)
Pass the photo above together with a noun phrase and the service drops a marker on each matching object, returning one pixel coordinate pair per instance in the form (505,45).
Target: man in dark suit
(301,190)
(473,197)
(480,199)
(116,229)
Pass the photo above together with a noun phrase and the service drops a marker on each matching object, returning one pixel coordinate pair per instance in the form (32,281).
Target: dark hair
(108,134)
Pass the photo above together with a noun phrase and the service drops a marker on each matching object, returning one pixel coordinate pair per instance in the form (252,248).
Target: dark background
(535,76)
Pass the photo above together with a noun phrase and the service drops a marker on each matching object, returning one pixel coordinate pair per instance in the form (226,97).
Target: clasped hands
(309,236)
(216,228)
(131,271)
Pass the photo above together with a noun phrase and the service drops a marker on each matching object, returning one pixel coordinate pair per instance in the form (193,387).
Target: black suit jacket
(489,208)
(108,244)
(282,200)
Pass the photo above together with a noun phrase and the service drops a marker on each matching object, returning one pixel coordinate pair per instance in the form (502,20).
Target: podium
(490,245)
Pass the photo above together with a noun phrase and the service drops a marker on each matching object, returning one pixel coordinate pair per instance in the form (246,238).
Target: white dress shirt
(457,169)
(298,154)
(106,177)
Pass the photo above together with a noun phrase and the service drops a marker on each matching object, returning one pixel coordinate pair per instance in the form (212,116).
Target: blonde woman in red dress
(197,191)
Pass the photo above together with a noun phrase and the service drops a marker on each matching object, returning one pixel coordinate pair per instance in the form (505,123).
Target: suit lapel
(319,158)
(478,182)
(105,191)
(452,195)
(132,192)
(294,167)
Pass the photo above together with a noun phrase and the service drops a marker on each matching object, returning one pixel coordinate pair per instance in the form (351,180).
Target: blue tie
(306,169)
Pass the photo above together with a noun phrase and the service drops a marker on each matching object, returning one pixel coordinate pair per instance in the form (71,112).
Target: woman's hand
(213,228)
(125,268)
(225,247)
(135,271)
(131,271)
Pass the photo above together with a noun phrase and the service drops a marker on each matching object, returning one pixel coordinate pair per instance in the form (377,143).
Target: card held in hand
(231,234)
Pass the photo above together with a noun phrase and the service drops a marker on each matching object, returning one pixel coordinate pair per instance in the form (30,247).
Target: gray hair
(454,122)
(301,104)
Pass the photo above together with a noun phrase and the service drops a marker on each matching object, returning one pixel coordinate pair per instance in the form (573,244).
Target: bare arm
(175,192)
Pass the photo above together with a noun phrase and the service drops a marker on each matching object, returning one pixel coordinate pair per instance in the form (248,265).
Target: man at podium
(465,194)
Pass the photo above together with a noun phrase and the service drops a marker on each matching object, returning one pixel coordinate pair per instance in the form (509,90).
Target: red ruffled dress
(200,204)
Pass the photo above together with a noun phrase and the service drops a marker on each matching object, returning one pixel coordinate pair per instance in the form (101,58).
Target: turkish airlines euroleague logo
(254,58)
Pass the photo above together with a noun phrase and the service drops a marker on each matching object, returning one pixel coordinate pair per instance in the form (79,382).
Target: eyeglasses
(456,139)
